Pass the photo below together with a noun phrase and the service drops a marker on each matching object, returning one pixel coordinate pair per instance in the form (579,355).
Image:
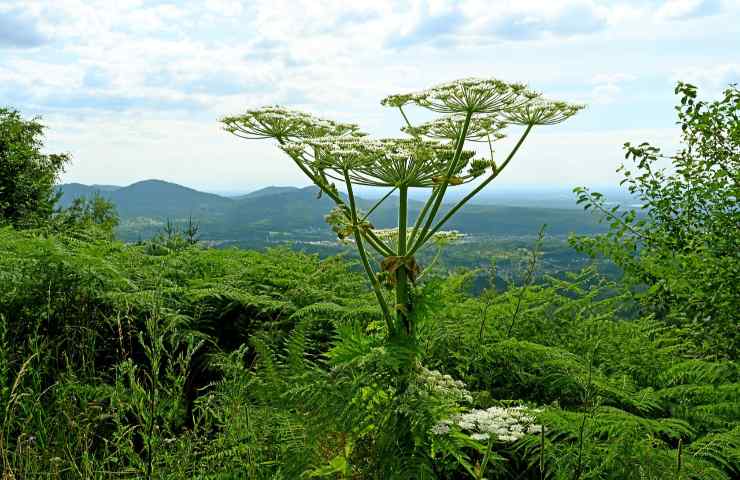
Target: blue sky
(133,89)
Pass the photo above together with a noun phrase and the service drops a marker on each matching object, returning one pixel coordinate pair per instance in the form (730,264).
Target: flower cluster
(468,95)
(339,218)
(441,385)
(281,123)
(444,236)
(327,150)
(542,112)
(479,166)
(386,162)
(480,129)
(505,424)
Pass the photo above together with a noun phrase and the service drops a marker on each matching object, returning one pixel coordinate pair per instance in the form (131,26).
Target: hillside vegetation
(144,208)
(167,359)
(234,364)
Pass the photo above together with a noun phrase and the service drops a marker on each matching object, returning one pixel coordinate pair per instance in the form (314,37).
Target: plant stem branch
(422,215)
(531,268)
(406,118)
(443,187)
(363,256)
(403,306)
(373,240)
(377,204)
(480,187)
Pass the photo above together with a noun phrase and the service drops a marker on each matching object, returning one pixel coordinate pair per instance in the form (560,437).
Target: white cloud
(682,9)
(580,157)
(229,8)
(710,79)
(608,87)
(151,69)
(136,147)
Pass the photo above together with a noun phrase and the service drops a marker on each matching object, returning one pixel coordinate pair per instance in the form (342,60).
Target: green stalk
(422,216)
(378,244)
(363,256)
(403,306)
(475,191)
(405,118)
(431,265)
(542,453)
(486,458)
(445,183)
(678,458)
(377,204)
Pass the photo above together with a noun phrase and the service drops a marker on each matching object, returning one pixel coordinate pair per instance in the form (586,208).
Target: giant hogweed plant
(433,155)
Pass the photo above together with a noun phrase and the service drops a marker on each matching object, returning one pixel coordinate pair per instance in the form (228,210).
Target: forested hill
(144,207)
(151,198)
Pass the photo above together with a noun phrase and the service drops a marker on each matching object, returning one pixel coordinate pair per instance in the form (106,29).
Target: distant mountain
(106,188)
(70,191)
(281,208)
(296,212)
(151,198)
(156,198)
(267,191)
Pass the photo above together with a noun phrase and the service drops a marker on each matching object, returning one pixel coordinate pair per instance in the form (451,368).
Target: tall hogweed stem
(433,155)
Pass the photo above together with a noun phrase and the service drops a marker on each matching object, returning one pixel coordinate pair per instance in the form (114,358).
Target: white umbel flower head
(481,128)
(468,95)
(441,385)
(542,112)
(505,424)
(282,124)
(445,237)
(386,162)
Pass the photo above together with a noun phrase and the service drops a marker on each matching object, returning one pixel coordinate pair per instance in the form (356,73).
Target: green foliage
(295,215)
(27,176)
(173,237)
(165,359)
(681,249)
(111,338)
(620,399)
(120,362)
(87,214)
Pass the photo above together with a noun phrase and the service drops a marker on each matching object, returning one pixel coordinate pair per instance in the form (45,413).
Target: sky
(134,89)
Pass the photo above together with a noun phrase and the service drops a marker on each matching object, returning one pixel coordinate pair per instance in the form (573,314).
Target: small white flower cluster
(388,234)
(443,236)
(380,162)
(480,129)
(473,95)
(442,384)
(282,123)
(337,151)
(276,113)
(542,112)
(442,428)
(400,148)
(506,424)
(339,220)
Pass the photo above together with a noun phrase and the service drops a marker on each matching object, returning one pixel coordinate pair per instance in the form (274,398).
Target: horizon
(503,188)
(521,195)
(136,89)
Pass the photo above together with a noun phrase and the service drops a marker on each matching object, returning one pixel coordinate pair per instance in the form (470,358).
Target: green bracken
(166,359)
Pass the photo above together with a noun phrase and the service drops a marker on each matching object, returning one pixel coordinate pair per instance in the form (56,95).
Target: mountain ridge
(143,207)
